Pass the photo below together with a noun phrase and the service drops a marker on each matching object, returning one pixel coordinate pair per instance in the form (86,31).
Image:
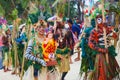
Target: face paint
(99,20)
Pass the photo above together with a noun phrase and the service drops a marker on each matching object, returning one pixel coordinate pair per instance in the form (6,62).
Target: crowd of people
(50,47)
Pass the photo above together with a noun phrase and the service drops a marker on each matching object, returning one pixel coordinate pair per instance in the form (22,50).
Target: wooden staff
(116,26)
(23,61)
(106,55)
(9,52)
(104,31)
(15,23)
(103,10)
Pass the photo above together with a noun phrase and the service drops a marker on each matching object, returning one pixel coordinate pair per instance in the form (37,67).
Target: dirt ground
(73,74)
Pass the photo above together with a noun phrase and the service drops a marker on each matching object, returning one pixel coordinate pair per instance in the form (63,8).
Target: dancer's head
(99,19)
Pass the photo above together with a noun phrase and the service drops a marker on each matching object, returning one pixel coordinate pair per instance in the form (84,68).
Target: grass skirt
(46,74)
(104,70)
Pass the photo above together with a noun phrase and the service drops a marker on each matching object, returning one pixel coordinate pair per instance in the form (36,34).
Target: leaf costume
(88,58)
(33,54)
(21,40)
(102,69)
(63,50)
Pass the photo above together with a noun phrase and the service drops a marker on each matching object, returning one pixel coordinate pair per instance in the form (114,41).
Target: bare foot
(77,59)
(71,62)
(13,73)
(5,70)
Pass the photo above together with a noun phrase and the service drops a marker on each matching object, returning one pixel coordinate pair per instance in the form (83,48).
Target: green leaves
(115,8)
(14,14)
(24,3)
(2,12)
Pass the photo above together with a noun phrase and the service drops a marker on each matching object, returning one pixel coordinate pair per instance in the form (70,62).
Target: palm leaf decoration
(60,9)
(115,8)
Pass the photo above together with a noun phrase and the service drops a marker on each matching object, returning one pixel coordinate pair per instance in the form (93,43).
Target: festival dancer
(3,42)
(106,66)
(49,47)
(1,47)
(34,49)
(63,38)
(7,48)
(87,62)
(75,30)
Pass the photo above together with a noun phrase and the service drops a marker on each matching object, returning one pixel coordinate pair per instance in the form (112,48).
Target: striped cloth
(28,54)
(96,39)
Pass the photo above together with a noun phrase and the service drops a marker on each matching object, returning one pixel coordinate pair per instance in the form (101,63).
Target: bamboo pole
(9,52)
(106,55)
(14,46)
(103,10)
(116,26)
(15,23)
(104,31)
(23,61)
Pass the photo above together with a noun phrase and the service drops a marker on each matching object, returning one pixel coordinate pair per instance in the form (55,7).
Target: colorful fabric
(96,39)
(49,49)
(88,56)
(21,38)
(1,41)
(31,58)
(102,69)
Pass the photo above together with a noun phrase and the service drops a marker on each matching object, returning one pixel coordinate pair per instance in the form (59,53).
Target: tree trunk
(79,10)
(15,45)
(68,9)
(82,5)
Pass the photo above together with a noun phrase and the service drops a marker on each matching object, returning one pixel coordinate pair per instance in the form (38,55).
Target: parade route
(59,39)
(72,75)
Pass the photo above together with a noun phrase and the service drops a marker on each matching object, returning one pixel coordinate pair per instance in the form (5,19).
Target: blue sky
(87,1)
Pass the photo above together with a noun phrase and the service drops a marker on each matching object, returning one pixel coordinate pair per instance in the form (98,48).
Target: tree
(116,10)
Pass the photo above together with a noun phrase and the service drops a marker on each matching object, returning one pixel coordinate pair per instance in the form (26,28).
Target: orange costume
(49,49)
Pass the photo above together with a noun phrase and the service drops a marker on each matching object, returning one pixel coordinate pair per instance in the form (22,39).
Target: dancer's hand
(103,50)
(42,62)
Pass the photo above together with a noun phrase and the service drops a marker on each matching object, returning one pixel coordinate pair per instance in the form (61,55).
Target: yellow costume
(49,49)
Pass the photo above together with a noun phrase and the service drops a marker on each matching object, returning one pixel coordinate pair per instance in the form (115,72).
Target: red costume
(102,69)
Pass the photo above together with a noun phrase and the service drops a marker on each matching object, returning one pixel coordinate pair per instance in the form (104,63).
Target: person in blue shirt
(75,29)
